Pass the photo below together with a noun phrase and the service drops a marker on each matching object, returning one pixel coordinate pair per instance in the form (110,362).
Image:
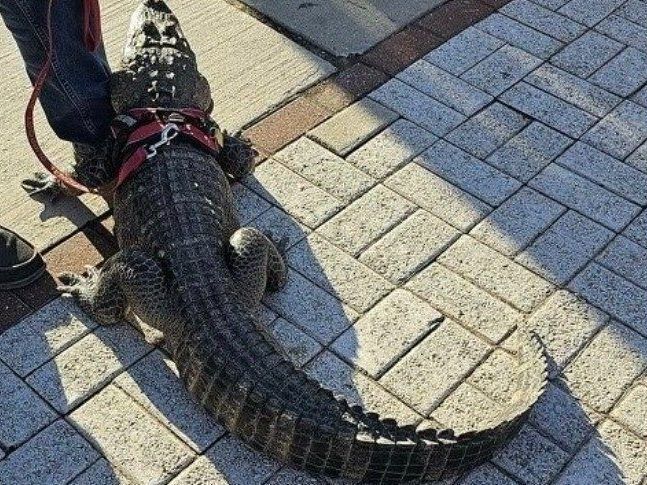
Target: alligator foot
(44,184)
(81,287)
(237,158)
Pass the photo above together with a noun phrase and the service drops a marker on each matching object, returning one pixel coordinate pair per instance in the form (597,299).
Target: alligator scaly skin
(186,267)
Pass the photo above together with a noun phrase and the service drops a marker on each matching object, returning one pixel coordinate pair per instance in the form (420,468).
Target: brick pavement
(496,182)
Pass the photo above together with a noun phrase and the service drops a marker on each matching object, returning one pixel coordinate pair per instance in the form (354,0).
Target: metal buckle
(171,130)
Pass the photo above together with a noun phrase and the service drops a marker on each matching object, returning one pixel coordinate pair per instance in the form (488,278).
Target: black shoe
(20,263)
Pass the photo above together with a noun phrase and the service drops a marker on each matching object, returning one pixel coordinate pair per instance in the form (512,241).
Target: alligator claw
(43,183)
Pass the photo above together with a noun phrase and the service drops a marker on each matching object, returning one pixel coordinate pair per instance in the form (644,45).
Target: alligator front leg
(237,157)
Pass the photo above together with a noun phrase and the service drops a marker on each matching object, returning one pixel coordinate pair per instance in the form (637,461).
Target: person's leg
(76,99)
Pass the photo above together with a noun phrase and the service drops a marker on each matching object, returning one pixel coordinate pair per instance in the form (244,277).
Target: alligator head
(158,67)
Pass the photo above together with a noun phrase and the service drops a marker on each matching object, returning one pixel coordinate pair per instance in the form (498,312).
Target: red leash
(92,39)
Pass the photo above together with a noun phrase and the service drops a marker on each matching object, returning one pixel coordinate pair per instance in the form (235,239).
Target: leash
(92,40)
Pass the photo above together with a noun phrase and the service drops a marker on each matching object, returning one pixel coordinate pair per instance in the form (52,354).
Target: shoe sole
(14,285)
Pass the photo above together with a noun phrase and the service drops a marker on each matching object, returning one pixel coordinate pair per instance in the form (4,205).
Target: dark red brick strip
(454,16)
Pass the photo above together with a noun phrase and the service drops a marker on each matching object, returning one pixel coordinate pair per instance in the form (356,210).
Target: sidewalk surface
(498,181)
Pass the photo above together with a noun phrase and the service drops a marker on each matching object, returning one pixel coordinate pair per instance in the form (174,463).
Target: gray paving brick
(525,155)
(54,456)
(531,457)
(560,416)
(101,473)
(632,410)
(587,54)
(495,273)
(338,273)
(248,204)
(605,170)
(629,451)
(384,334)
(551,4)
(548,109)
(519,220)
(465,302)
(624,353)
(310,308)
(463,51)
(353,125)
(565,324)
(637,230)
(486,474)
(71,377)
(438,196)
(277,224)
(365,220)
(467,409)
(429,372)
(573,90)
(468,172)
(614,294)
(41,336)
(154,383)
(287,476)
(589,12)
(543,20)
(623,74)
(638,159)
(496,376)
(621,131)
(336,375)
(295,195)
(417,107)
(325,169)
(410,246)
(634,10)
(445,87)
(624,31)
(626,258)
(585,196)
(130,438)
(502,69)
(641,97)
(519,35)
(391,149)
(300,347)
(23,412)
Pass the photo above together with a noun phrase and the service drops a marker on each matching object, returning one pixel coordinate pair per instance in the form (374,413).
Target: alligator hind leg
(257,264)
(237,157)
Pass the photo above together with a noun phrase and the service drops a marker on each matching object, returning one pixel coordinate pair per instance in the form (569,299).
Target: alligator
(186,267)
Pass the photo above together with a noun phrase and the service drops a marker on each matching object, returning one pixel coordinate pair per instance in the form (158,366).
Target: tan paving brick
(496,376)
(300,347)
(101,473)
(632,410)
(467,409)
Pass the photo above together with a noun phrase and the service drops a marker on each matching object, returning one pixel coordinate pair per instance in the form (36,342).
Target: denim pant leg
(76,98)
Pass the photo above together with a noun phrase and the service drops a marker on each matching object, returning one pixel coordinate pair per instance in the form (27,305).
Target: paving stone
(467,409)
(355,387)
(573,90)
(632,410)
(551,4)
(623,74)
(638,159)
(154,383)
(454,16)
(463,51)
(248,204)
(497,376)
(565,324)
(614,294)
(287,476)
(624,353)
(366,219)
(624,31)
(543,20)
(637,230)
(418,107)
(438,196)
(299,347)
(445,87)
(87,366)
(495,273)
(525,155)
(502,69)
(277,224)
(641,96)
(310,308)
(518,221)
(352,126)
(101,473)
(130,438)
(626,258)
(621,131)
(487,474)
(469,173)
(634,10)
(295,195)
(338,273)
(485,132)
(589,12)
(384,334)
(584,196)
(23,413)
(592,464)
(429,372)
(587,54)
(324,169)
(519,35)
(465,302)
(228,462)
(628,450)
(12,310)
(409,246)
(42,335)
(531,457)
(548,109)
(391,149)
(54,456)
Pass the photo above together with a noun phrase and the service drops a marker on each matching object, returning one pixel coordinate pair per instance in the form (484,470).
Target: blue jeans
(76,98)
